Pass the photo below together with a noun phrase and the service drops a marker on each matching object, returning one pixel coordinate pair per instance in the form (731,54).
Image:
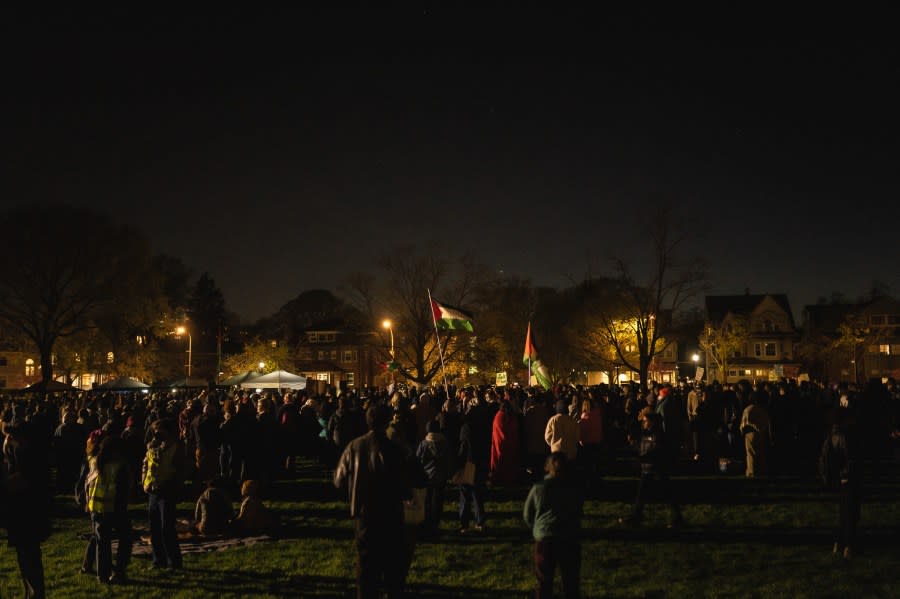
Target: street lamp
(387,324)
(262,365)
(183,331)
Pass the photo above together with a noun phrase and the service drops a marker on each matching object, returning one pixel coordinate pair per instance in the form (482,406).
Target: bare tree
(635,326)
(409,274)
(61,266)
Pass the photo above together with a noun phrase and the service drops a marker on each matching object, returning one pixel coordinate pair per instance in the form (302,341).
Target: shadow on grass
(280,584)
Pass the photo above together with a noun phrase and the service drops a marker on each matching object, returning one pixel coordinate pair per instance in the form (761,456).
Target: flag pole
(528,341)
(437,337)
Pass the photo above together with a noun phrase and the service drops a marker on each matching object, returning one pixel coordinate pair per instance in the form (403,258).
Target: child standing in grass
(553,511)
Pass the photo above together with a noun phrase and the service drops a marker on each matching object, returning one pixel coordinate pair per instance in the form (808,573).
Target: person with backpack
(840,473)
(163,477)
(107,491)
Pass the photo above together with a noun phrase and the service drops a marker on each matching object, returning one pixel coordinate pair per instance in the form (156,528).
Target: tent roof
(239,378)
(51,387)
(189,382)
(124,383)
(276,380)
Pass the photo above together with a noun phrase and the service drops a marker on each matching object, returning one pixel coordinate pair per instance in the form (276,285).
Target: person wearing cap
(562,432)
(671,414)
(655,464)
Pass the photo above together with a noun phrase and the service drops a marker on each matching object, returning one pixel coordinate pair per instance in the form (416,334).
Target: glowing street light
(387,324)
(695,358)
(183,331)
(262,366)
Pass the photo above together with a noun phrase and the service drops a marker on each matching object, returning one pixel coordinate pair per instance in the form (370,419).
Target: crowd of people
(399,451)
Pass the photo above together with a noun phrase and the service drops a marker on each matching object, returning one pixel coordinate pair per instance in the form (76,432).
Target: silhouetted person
(553,511)
(27,502)
(373,472)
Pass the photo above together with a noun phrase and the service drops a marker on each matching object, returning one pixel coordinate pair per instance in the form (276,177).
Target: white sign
(699,375)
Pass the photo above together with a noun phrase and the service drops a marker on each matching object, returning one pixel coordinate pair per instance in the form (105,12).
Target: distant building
(769,350)
(868,347)
(18,369)
(339,359)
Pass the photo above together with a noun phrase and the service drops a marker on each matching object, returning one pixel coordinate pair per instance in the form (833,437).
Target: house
(340,359)
(18,369)
(753,337)
(853,341)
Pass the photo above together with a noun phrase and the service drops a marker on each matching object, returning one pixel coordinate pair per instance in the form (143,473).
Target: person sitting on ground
(213,511)
(254,517)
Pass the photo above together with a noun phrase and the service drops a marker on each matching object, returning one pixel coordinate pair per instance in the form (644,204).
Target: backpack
(832,461)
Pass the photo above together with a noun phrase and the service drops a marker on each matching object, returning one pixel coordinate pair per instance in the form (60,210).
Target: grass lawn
(741,539)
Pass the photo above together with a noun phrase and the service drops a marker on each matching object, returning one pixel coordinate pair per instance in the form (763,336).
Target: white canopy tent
(280,379)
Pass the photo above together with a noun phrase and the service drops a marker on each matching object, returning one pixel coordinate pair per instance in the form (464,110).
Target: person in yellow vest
(107,490)
(163,477)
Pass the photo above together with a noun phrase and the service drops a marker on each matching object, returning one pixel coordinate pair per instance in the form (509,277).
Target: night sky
(280,152)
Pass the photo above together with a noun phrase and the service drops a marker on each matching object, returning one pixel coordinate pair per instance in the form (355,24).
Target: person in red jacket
(505,446)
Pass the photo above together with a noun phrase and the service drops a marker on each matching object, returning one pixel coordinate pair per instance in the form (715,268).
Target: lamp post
(695,358)
(184,331)
(387,324)
(262,366)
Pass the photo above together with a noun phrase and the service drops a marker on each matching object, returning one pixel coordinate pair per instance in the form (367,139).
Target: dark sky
(282,151)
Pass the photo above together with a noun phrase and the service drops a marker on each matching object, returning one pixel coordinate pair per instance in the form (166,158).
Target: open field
(741,539)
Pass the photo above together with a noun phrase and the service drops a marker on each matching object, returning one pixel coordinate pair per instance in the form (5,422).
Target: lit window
(349,356)
(322,376)
(274,343)
(884,349)
(29,367)
(110,358)
(350,377)
(334,354)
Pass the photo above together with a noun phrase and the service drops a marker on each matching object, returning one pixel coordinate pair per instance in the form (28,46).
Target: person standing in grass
(163,477)
(107,490)
(755,428)
(655,464)
(553,511)
(372,470)
(839,471)
(26,501)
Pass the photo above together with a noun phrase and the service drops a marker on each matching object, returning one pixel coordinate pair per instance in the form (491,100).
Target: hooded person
(373,471)
(505,446)
(562,432)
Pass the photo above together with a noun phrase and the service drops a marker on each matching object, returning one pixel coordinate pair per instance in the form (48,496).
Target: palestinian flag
(538,370)
(448,317)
